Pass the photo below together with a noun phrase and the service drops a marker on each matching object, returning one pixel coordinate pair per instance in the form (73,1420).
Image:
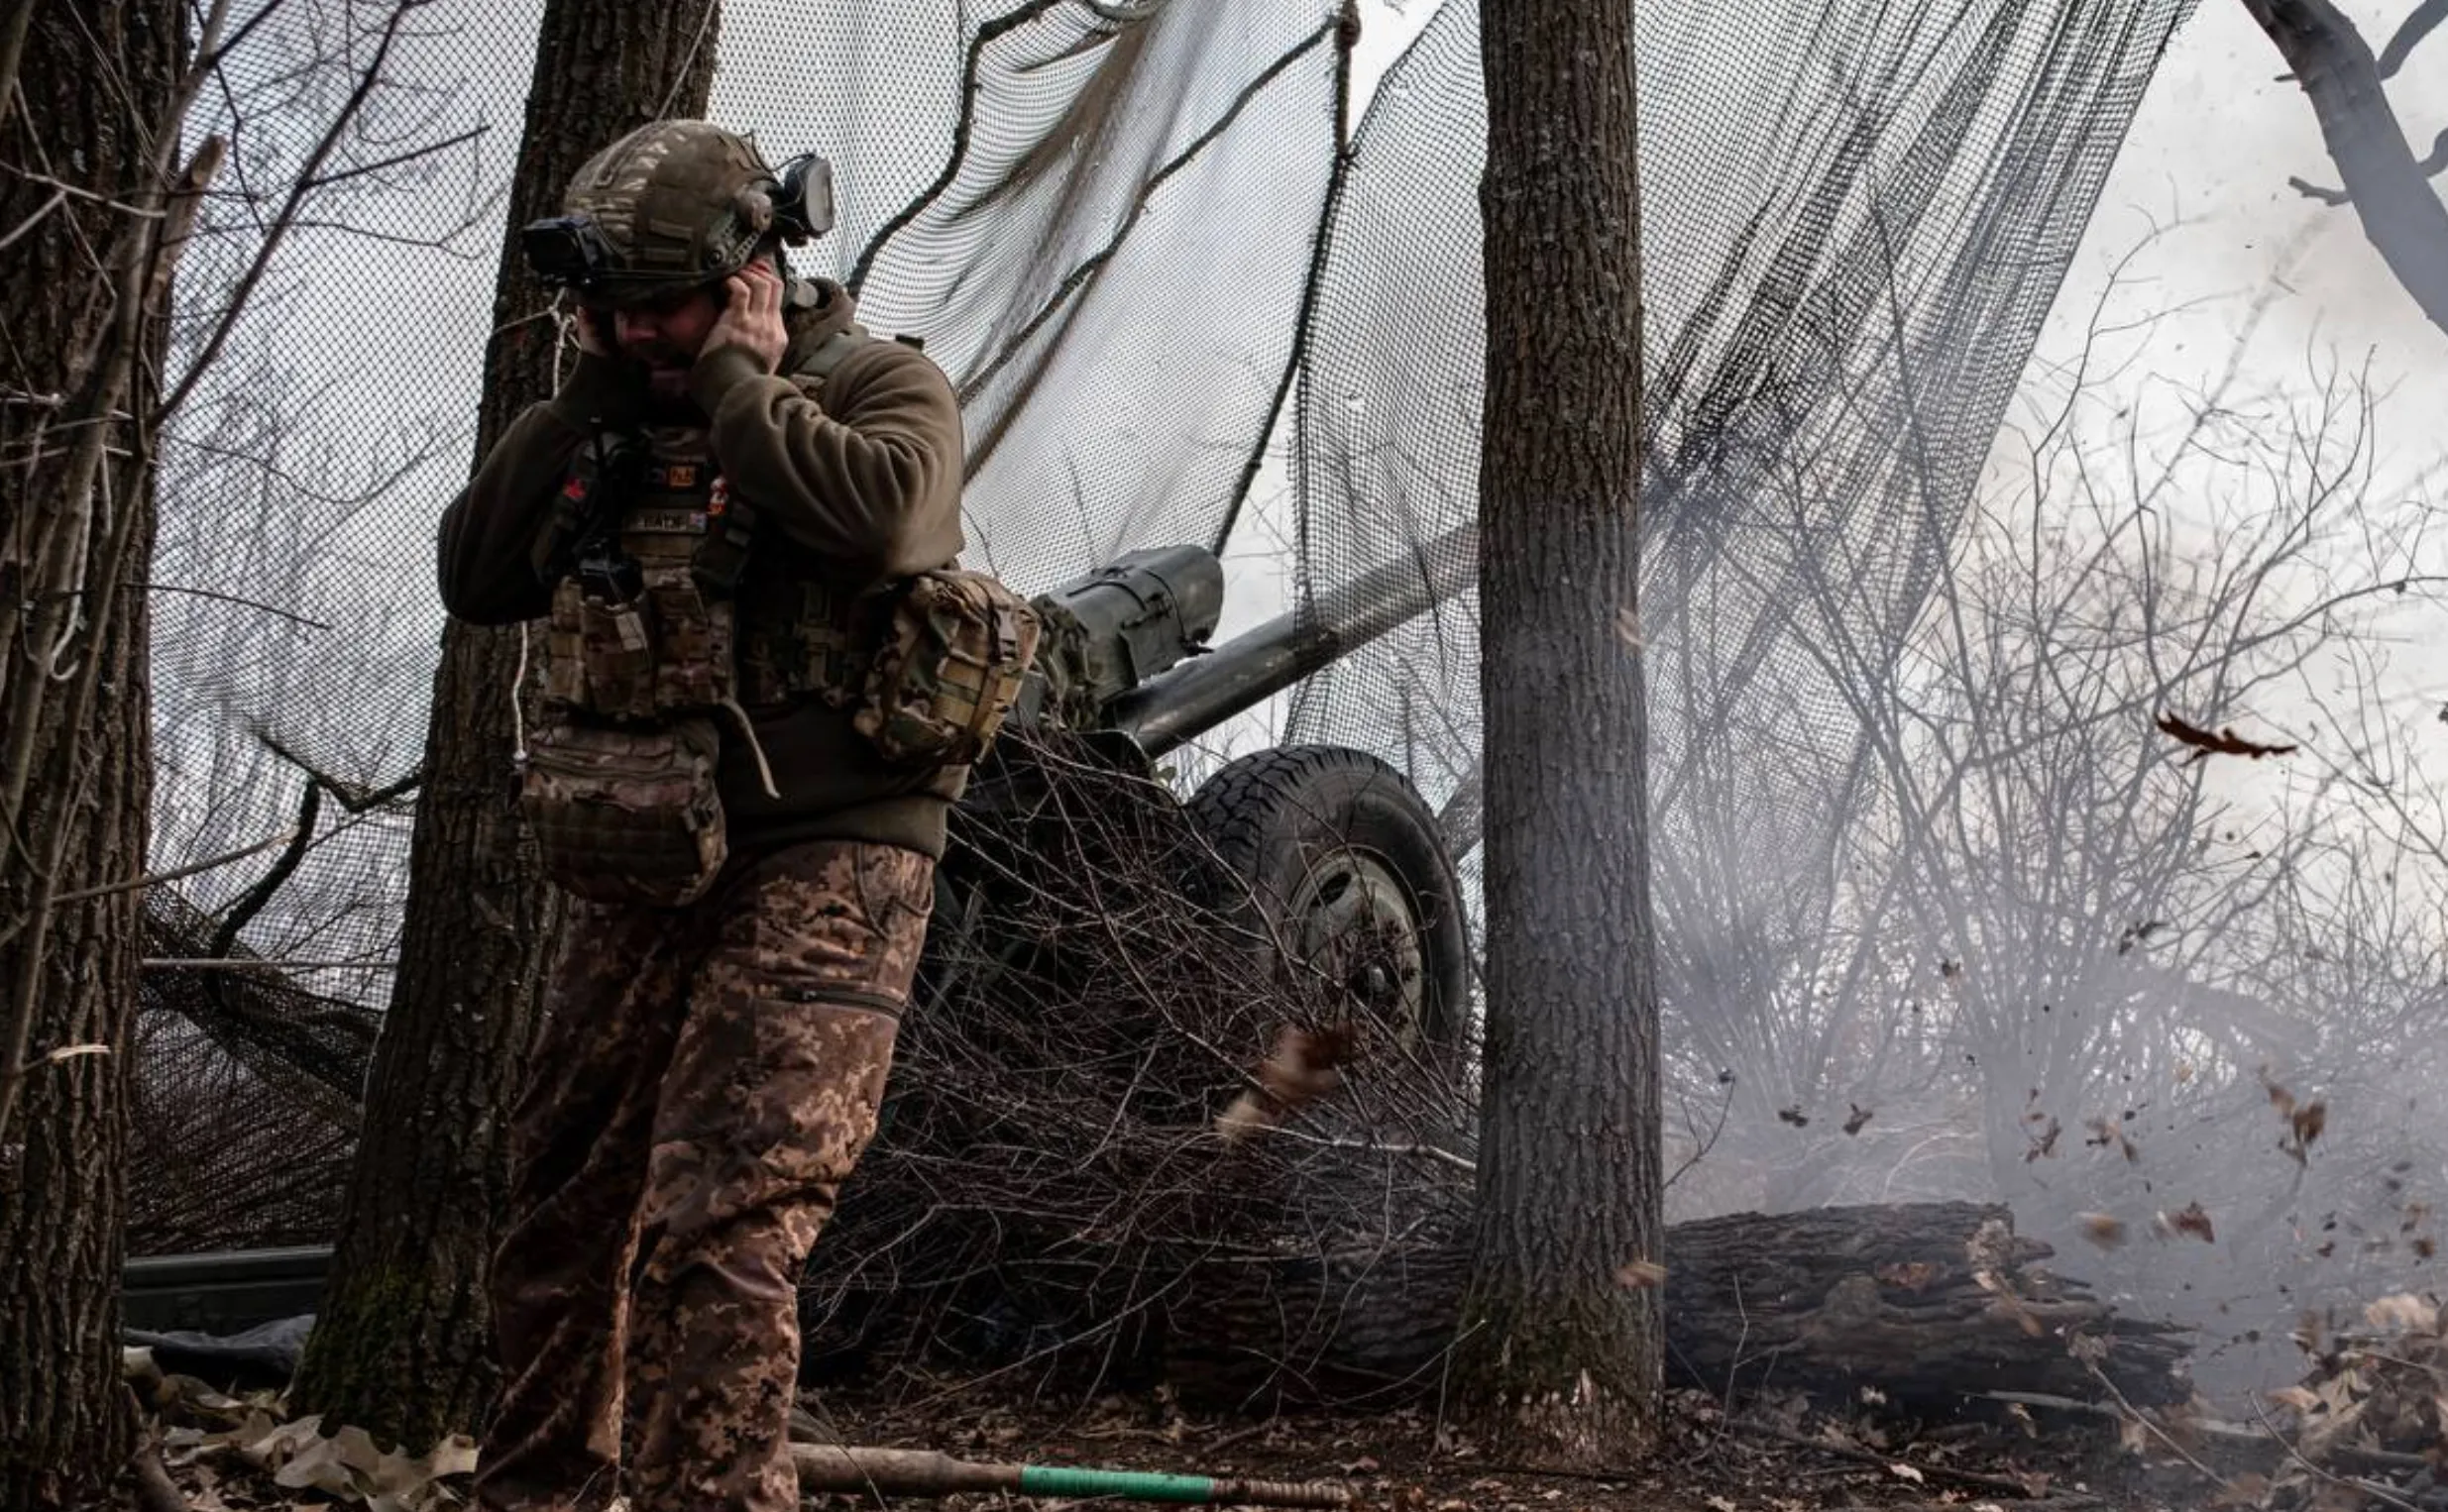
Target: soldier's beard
(667,368)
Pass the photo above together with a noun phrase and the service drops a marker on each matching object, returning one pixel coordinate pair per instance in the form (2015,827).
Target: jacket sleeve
(488,533)
(870,477)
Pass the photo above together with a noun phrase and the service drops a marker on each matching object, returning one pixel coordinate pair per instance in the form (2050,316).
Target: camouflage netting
(1177,310)
(1857,220)
(1018,184)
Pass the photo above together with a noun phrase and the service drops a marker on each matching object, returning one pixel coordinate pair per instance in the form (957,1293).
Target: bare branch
(252,603)
(216,49)
(12,52)
(256,963)
(441,244)
(2321,192)
(257,898)
(1370,1146)
(193,868)
(2392,194)
(2432,167)
(75,192)
(368,78)
(2426,19)
(356,797)
(206,592)
(57,198)
(397,159)
(2376,1493)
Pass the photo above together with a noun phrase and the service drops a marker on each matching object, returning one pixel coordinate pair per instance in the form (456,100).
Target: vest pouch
(693,646)
(948,657)
(628,816)
(565,647)
(794,641)
(616,656)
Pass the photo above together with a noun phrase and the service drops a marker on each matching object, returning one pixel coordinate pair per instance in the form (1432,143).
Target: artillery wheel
(1332,858)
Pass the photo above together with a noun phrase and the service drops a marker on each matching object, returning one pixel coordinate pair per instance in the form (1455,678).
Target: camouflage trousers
(705,1080)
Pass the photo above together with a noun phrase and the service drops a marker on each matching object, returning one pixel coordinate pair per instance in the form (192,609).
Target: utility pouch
(627,815)
(616,642)
(694,644)
(565,652)
(602,654)
(949,653)
(668,651)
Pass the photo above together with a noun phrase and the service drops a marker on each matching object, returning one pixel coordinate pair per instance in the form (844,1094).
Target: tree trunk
(82,291)
(402,1345)
(1559,1360)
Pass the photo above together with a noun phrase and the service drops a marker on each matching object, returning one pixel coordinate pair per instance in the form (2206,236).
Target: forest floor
(1767,1457)
(1761,1459)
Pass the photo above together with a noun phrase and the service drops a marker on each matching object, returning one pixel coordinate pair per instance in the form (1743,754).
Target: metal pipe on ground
(863,1469)
(1195,696)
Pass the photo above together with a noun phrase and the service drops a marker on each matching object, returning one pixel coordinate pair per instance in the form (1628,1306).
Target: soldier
(743,774)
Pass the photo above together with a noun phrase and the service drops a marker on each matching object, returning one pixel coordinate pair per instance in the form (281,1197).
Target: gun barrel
(1200,694)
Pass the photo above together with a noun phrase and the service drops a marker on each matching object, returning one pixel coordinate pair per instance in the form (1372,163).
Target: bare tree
(2140,825)
(402,1345)
(94,206)
(2089,873)
(104,375)
(2387,184)
(1556,1353)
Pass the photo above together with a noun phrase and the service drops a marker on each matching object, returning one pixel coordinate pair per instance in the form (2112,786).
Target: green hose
(1150,1485)
(1143,1485)
(871,1470)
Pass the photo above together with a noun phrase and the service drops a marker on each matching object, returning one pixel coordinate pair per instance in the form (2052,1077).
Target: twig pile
(1106,1117)
(244,1098)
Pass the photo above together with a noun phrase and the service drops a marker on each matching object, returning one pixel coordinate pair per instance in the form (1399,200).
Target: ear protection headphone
(797,201)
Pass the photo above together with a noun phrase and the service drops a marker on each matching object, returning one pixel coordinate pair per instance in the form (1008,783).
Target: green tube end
(1061,1481)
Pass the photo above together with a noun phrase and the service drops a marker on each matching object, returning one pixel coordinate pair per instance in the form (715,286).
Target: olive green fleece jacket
(856,480)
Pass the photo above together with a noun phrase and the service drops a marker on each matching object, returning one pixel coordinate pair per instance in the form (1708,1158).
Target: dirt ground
(1762,1460)
(1769,1457)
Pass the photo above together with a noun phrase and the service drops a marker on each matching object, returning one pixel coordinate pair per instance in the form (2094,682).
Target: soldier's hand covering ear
(752,320)
(595,333)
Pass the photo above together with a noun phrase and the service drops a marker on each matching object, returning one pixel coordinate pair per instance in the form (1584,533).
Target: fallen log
(1930,1304)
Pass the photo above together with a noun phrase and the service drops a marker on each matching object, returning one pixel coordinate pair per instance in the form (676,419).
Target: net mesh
(1856,222)
(1127,231)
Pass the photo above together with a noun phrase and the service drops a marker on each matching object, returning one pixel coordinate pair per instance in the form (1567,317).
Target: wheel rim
(1353,920)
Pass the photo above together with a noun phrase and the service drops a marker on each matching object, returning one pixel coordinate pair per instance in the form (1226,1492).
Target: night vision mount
(565,251)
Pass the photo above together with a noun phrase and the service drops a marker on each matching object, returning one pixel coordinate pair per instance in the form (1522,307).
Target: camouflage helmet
(672,205)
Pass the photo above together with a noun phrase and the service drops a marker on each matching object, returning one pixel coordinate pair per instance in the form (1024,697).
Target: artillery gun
(1334,864)
(983,1224)
(1327,854)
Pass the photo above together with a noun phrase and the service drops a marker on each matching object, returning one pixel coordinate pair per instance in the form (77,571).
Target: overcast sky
(2205,167)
